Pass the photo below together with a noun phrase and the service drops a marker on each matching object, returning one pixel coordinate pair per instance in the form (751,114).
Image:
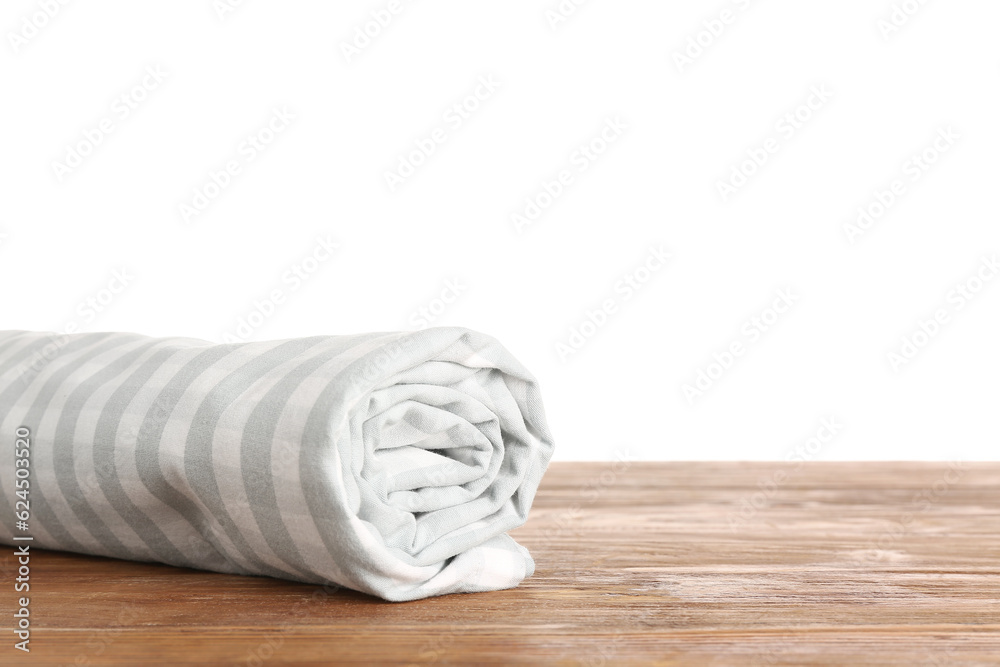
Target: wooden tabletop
(658,563)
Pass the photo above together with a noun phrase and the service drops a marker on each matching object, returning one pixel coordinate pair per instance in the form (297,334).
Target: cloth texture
(388,463)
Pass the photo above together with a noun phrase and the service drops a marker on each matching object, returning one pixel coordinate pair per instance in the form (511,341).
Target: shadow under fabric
(389,463)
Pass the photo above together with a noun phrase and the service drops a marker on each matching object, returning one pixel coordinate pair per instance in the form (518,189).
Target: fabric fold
(389,463)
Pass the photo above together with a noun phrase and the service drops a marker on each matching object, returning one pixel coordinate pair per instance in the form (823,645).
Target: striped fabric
(389,463)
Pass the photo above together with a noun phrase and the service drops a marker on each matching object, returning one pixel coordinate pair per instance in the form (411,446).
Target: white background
(685,127)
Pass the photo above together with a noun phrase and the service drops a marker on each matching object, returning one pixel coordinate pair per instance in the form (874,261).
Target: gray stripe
(23,358)
(99,343)
(147,452)
(63,456)
(256,455)
(198,466)
(105,440)
(8,398)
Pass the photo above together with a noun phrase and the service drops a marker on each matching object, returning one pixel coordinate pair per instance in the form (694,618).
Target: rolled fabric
(389,463)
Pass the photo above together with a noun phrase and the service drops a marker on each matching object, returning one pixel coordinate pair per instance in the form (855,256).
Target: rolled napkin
(389,463)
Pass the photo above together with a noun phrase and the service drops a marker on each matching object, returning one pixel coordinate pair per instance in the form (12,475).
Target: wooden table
(665,563)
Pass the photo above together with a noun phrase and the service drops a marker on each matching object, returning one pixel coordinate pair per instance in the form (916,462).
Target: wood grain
(637,563)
